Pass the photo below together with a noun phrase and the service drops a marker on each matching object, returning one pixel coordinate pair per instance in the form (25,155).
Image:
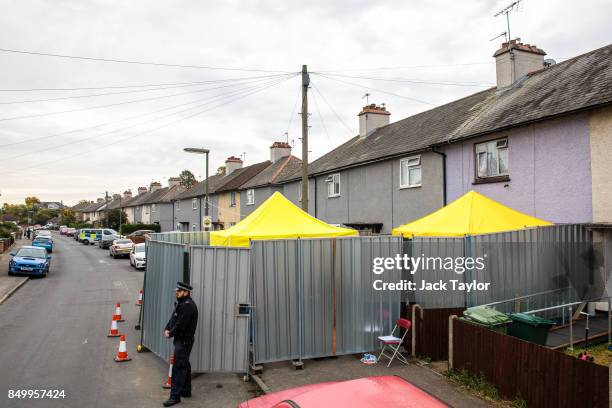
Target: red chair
(394,343)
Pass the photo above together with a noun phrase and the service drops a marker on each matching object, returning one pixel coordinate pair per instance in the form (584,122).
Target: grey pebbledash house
(540,142)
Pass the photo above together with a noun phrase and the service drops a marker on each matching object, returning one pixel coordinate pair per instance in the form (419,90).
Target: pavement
(281,376)
(53,336)
(10,284)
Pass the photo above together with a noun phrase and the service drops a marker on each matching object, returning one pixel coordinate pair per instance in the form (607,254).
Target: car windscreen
(32,253)
(139,248)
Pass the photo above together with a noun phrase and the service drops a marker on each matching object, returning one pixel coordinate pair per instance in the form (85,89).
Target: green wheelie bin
(530,328)
(488,317)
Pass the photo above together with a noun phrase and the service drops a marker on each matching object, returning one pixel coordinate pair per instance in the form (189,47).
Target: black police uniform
(182,327)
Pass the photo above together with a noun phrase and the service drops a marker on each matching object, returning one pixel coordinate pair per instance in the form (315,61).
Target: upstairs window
(333,185)
(300,192)
(152,207)
(492,158)
(250,196)
(410,172)
(233,199)
(194,203)
(178,205)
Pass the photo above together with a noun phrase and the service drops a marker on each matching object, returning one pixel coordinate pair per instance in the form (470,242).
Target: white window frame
(194,227)
(411,163)
(333,180)
(153,207)
(178,205)
(232,199)
(194,203)
(498,145)
(250,196)
(300,192)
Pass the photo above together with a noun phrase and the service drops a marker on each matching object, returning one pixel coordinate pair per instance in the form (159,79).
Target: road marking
(102,261)
(85,341)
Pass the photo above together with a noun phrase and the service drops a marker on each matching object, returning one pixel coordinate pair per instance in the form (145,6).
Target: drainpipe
(315,197)
(443,174)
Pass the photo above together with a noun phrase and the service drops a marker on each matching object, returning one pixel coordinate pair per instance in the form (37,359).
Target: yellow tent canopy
(276,218)
(471,214)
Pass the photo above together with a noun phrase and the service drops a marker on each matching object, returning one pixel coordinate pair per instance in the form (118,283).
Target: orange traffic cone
(139,302)
(117,315)
(168,383)
(113,332)
(122,354)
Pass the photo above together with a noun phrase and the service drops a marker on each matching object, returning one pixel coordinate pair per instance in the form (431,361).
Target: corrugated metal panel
(164,269)
(221,283)
(306,305)
(193,237)
(556,261)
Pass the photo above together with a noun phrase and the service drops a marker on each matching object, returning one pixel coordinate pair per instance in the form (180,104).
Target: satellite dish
(549,61)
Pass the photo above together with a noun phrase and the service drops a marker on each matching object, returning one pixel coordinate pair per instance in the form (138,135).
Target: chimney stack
(127,194)
(174,181)
(278,150)
(142,190)
(100,200)
(232,163)
(154,186)
(372,117)
(514,60)
(116,196)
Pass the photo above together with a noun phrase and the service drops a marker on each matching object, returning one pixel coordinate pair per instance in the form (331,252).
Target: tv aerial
(506,10)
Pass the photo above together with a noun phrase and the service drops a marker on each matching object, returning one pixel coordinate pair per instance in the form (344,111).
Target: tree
(43,215)
(188,180)
(68,216)
(221,170)
(85,202)
(113,218)
(31,201)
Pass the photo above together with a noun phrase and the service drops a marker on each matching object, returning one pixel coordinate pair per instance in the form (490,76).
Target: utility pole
(106,208)
(305,84)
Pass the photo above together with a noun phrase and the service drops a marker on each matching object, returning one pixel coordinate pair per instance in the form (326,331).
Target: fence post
(414,329)
(450,341)
(571,322)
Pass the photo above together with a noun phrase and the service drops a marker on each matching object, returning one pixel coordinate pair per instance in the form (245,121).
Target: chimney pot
(278,150)
(514,60)
(232,163)
(372,117)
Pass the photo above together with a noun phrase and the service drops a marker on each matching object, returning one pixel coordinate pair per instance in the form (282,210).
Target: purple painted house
(541,141)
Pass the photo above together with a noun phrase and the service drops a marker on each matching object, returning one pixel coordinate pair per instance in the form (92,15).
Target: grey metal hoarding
(556,263)
(164,269)
(314,297)
(192,238)
(220,277)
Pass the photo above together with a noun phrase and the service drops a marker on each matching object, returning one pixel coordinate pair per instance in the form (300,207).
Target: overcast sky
(83,153)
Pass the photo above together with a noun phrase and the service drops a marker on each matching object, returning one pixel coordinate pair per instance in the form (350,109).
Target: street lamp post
(205,152)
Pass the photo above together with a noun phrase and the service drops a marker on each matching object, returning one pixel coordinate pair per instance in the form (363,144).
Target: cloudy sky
(72,129)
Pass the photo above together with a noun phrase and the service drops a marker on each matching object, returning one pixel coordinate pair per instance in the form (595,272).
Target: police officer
(182,327)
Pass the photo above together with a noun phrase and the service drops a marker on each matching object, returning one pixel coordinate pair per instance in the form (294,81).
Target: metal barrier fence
(192,238)
(314,297)
(556,261)
(220,278)
(164,269)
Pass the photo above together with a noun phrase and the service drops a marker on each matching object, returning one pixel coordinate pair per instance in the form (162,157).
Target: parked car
(43,242)
(120,247)
(140,236)
(70,232)
(89,236)
(108,236)
(63,229)
(138,258)
(29,260)
(383,391)
(42,233)
(77,234)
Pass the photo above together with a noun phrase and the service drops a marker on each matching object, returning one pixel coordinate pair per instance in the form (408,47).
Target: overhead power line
(406,67)
(116,141)
(374,89)
(210,100)
(412,81)
(122,119)
(90,88)
(121,61)
(109,105)
(351,131)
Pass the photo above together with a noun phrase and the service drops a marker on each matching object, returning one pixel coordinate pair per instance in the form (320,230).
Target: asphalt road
(53,336)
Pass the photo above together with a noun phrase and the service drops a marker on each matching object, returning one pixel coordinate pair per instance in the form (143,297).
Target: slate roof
(80,206)
(243,175)
(273,173)
(92,207)
(198,189)
(580,83)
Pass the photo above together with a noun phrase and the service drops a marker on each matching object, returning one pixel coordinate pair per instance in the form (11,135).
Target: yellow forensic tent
(276,218)
(471,214)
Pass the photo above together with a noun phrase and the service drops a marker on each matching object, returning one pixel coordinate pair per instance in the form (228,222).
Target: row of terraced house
(540,141)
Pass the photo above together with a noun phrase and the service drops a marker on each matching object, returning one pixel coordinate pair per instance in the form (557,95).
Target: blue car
(43,242)
(30,260)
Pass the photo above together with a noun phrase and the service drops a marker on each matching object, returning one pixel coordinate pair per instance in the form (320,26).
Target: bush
(6,228)
(127,229)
